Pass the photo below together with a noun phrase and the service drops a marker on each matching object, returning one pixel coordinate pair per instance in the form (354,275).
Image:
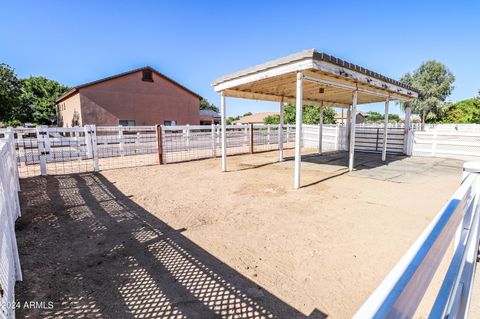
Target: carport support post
(224,131)
(320,129)
(407,130)
(298,130)
(280,131)
(353,115)
(385,128)
(347,126)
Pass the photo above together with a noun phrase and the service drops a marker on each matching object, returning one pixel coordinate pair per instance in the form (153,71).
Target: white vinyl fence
(9,211)
(401,292)
(43,150)
(445,143)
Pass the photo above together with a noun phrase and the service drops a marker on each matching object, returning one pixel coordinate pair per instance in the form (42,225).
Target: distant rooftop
(209,113)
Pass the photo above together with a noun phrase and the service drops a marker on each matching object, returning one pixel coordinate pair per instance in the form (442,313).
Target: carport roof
(328,79)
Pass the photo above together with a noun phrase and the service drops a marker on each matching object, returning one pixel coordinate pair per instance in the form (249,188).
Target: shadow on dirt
(95,253)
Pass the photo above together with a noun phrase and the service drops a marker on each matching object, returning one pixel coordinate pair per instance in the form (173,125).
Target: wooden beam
(159,144)
(274,98)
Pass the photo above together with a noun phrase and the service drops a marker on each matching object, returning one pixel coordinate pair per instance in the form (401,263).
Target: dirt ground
(187,241)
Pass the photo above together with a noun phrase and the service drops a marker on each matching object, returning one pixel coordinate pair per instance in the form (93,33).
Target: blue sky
(195,42)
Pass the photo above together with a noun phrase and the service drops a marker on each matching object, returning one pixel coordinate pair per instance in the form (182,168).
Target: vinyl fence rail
(10,270)
(401,292)
(446,143)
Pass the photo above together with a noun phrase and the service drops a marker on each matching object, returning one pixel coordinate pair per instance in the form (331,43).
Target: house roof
(78,87)
(209,113)
(255,118)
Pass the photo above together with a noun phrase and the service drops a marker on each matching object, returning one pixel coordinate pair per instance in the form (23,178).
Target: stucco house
(142,96)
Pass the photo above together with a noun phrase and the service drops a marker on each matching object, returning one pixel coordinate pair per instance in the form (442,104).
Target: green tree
(248,113)
(38,96)
(205,105)
(374,117)
(393,118)
(10,90)
(462,112)
(311,115)
(434,81)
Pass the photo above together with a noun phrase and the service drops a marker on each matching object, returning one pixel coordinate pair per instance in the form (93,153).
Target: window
(147,76)
(169,123)
(126,122)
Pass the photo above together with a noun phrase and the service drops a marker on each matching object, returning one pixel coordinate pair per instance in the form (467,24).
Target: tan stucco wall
(68,110)
(130,98)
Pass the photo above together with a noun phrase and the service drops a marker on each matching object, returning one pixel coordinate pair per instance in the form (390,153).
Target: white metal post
(320,130)
(385,129)
(407,129)
(224,131)
(347,126)
(280,131)
(214,146)
(352,130)
(335,147)
(298,130)
(268,134)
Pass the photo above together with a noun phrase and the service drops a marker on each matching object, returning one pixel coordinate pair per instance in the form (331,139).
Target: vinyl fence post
(214,146)
(11,140)
(121,142)
(93,137)
(160,144)
(187,136)
(251,137)
(42,152)
(88,141)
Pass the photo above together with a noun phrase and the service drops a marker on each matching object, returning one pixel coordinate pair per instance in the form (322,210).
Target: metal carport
(315,78)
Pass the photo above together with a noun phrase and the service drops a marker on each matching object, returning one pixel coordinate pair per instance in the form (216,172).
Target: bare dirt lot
(187,241)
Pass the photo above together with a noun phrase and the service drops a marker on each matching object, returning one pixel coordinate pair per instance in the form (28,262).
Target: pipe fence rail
(401,292)
(10,270)
(54,150)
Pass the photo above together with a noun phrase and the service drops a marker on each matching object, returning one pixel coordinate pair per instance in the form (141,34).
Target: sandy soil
(309,253)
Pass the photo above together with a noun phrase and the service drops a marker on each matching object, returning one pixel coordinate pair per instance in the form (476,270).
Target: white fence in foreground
(9,211)
(399,295)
